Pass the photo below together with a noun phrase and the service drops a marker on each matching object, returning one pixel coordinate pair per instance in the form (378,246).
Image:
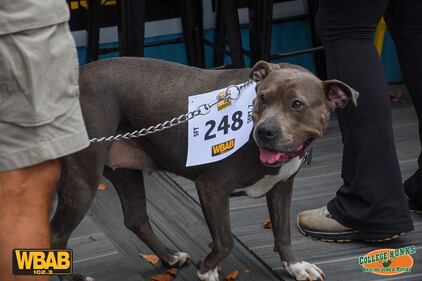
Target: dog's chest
(265,184)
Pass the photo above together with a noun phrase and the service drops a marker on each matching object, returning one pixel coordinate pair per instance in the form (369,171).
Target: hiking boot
(320,225)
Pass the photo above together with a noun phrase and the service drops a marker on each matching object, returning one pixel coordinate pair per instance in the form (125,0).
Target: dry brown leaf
(153,259)
(267,224)
(102,186)
(247,269)
(219,268)
(163,277)
(397,94)
(231,276)
(172,271)
(397,97)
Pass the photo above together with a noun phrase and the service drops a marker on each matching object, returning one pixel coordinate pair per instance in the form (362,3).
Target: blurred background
(207,33)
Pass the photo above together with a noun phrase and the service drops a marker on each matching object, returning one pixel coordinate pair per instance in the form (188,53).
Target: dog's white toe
(211,275)
(179,258)
(89,278)
(304,271)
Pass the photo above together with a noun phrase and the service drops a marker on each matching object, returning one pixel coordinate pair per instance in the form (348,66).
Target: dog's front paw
(304,271)
(211,275)
(178,259)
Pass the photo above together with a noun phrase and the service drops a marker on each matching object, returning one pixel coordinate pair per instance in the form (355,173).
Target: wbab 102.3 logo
(42,262)
(388,261)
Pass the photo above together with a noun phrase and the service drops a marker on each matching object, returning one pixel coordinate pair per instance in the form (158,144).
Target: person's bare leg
(25,196)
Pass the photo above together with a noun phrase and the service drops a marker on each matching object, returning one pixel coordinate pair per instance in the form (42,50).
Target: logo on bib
(221,148)
(223,103)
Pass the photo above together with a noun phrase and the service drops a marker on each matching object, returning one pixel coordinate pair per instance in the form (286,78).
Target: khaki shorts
(40,115)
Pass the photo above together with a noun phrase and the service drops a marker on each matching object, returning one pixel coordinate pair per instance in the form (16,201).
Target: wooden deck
(105,250)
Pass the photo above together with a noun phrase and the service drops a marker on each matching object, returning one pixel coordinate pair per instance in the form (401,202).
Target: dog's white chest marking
(261,187)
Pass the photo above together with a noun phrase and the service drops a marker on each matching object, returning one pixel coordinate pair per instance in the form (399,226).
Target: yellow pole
(379,36)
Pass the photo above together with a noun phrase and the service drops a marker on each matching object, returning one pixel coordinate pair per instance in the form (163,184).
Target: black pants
(372,197)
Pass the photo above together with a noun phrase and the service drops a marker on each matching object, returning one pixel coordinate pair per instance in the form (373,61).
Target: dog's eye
(262,98)
(296,105)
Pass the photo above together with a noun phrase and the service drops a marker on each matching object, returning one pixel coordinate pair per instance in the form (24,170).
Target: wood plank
(96,256)
(108,268)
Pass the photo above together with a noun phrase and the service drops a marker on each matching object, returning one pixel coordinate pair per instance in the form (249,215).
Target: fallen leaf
(153,259)
(163,277)
(247,269)
(397,94)
(397,97)
(172,271)
(267,224)
(219,268)
(231,276)
(102,186)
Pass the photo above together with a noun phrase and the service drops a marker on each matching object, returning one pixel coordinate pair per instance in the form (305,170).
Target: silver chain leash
(201,110)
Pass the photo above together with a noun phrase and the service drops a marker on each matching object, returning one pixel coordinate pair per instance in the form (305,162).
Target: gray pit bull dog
(291,109)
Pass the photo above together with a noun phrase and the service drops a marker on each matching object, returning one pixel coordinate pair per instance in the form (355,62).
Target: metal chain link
(203,109)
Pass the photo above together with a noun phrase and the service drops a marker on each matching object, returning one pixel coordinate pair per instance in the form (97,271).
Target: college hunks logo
(388,261)
(42,262)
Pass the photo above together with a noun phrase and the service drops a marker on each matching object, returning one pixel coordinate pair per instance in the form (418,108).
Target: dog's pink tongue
(270,157)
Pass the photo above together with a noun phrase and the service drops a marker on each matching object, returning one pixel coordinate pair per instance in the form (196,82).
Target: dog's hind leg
(80,176)
(129,185)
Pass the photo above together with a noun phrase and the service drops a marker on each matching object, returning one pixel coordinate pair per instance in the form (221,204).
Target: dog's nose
(267,130)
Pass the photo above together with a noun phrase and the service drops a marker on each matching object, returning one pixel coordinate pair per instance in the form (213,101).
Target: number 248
(224,125)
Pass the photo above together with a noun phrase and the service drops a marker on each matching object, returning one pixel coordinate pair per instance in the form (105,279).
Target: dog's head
(292,108)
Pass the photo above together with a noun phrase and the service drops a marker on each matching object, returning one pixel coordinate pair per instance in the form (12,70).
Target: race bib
(221,132)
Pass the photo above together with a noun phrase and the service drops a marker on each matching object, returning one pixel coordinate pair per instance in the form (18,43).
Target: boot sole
(347,237)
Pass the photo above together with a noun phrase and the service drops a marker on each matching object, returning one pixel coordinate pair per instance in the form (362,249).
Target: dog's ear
(339,93)
(261,69)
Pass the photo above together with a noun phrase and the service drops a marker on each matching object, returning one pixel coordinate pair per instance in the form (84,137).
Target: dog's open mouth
(274,158)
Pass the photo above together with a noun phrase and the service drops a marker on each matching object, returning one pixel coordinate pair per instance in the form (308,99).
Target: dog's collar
(303,158)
